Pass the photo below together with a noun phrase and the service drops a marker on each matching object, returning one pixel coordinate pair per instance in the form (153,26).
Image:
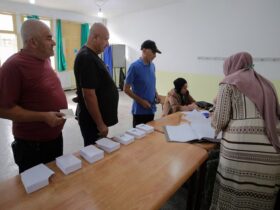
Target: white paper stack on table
(68,163)
(146,128)
(108,145)
(137,133)
(91,153)
(124,138)
(36,177)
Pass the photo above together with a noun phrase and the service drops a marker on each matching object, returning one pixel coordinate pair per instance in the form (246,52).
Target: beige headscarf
(238,70)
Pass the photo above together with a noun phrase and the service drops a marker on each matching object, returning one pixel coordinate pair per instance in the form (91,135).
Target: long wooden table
(172,119)
(176,119)
(141,175)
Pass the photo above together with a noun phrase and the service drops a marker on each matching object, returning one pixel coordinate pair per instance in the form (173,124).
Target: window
(6,23)
(8,46)
(8,37)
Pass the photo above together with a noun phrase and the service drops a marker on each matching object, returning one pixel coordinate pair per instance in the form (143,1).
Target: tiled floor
(71,133)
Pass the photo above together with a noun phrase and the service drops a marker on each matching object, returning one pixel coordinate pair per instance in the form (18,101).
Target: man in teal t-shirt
(140,84)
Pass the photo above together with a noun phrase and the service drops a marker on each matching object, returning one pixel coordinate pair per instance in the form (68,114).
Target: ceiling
(110,8)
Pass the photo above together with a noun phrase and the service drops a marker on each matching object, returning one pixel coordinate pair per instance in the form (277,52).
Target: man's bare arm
(19,114)
(143,102)
(93,108)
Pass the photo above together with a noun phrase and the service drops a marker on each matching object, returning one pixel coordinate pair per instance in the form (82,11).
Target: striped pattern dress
(248,175)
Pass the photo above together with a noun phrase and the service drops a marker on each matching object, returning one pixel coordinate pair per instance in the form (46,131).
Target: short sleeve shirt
(91,73)
(141,77)
(31,83)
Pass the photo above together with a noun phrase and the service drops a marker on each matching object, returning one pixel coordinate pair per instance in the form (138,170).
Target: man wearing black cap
(140,84)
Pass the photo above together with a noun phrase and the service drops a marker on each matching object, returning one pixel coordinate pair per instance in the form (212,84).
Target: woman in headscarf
(247,112)
(179,98)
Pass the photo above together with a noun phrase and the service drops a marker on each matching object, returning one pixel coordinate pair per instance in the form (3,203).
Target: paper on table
(36,177)
(124,138)
(137,133)
(180,133)
(194,116)
(190,132)
(107,144)
(92,153)
(68,163)
(68,113)
(203,129)
(146,128)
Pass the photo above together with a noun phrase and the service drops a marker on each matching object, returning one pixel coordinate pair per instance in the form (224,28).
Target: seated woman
(178,99)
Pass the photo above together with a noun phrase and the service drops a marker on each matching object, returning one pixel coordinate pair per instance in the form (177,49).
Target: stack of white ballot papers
(91,153)
(146,128)
(68,163)
(124,138)
(137,133)
(36,177)
(108,145)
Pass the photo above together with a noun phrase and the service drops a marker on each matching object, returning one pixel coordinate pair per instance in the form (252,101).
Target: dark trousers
(87,125)
(89,132)
(138,119)
(31,153)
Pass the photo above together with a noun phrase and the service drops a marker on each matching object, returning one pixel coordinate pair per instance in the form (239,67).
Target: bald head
(98,29)
(98,38)
(37,39)
(31,29)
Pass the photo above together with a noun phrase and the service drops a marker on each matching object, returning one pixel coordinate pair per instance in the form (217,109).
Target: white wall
(194,28)
(28,9)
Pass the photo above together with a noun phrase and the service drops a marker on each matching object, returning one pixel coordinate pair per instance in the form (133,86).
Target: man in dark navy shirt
(97,93)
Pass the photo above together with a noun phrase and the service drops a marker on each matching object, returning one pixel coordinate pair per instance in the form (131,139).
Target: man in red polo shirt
(31,96)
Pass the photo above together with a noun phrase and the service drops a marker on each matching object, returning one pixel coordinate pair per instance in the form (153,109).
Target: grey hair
(30,29)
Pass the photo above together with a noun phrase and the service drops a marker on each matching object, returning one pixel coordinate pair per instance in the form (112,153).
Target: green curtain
(36,17)
(84,33)
(60,58)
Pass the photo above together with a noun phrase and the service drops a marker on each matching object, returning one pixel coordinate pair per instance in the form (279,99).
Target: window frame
(13,32)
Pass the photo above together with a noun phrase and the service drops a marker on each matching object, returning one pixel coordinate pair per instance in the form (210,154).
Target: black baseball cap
(149,44)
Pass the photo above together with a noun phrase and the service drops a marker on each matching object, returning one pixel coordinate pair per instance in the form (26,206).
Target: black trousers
(138,119)
(87,125)
(31,153)
(89,132)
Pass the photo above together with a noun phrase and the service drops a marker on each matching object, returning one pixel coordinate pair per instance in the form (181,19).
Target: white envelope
(68,113)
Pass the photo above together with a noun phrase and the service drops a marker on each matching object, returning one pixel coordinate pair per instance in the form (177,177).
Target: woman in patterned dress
(248,113)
